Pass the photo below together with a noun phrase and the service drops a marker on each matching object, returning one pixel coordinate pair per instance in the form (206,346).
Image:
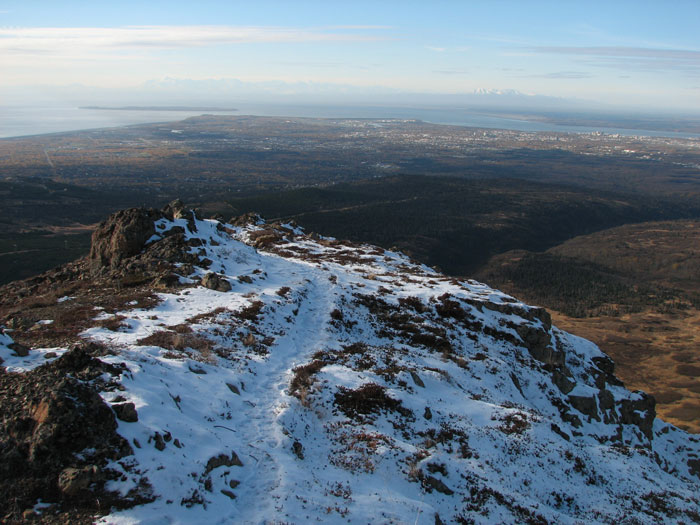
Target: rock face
(640,412)
(122,236)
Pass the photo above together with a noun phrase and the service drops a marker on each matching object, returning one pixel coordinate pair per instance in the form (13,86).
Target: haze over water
(27,120)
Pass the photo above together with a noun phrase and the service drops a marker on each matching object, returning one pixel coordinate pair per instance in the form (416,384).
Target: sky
(641,54)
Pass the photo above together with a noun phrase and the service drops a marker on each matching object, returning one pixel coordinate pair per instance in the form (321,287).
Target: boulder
(416,379)
(19,349)
(214,281)
(73,481)
(222,460)
(126,412)
(298,449)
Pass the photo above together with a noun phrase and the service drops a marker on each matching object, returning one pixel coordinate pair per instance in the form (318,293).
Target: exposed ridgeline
(244,372)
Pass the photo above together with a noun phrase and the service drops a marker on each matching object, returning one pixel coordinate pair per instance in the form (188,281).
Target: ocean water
(21,121)
(16,121)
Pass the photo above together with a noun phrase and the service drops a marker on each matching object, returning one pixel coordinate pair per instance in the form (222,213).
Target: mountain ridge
(257,372)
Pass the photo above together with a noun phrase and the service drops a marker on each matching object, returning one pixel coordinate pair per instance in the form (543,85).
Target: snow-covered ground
(344,383)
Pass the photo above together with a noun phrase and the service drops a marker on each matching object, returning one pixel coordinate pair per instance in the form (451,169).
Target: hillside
(634,291)
(453,223)
(193,371)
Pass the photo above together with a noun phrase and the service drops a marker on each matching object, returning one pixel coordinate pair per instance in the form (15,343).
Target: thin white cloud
(367,27)
(642,52)
(563,75)
(451,71)
(631,58)
(57,40)
(439,49)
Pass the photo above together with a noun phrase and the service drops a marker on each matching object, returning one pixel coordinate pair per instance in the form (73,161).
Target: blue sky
(638,54)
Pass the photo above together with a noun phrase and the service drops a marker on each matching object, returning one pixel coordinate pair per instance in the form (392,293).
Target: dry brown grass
(250,312)
(652,352)
(367,399)
(179,341)
(282,292)
(206,316)
(114,323)
(303,379)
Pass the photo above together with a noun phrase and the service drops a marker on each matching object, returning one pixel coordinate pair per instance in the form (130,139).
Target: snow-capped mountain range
(278,377)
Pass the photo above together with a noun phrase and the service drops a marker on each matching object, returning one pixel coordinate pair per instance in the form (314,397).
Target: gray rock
(585,405)
(416,379)
(19,349)
(430,482)
(222,460)
(538,342)
(159,441)
(563,383)
(298,449)
(126,412)
(216,282)
(73,481)
(606,401)
(639,412)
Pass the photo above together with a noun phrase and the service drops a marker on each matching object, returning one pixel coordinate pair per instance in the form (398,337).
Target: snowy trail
(266,481)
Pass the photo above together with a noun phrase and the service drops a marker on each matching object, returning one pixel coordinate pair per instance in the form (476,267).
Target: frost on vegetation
(333,382)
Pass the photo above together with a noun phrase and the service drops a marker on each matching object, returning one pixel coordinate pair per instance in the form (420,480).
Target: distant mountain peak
(246,371)
(502,92)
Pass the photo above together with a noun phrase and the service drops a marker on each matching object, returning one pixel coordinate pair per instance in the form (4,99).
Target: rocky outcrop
(585,405)
(538,342)
(57,435)
(121,236)
(563,383)
(640,412)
